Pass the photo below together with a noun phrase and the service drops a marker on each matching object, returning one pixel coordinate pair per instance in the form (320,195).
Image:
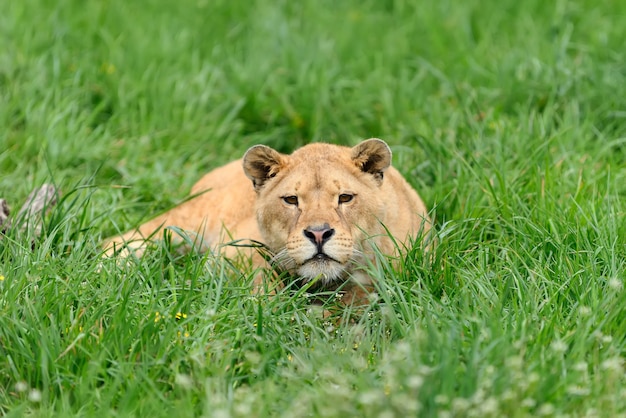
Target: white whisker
(283,260)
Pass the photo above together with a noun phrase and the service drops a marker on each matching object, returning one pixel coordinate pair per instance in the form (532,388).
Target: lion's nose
(319,235)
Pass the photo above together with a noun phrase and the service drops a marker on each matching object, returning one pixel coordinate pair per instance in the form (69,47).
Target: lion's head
(317,207)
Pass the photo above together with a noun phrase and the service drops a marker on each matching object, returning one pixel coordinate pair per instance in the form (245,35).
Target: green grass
(509,117)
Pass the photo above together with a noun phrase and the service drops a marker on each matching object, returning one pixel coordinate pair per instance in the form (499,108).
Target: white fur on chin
(326,271)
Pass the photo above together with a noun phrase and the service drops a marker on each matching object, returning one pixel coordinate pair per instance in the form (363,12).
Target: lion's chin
(325,271)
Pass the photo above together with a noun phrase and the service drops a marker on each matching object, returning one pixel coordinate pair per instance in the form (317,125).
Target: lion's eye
(345,198)
(291,200)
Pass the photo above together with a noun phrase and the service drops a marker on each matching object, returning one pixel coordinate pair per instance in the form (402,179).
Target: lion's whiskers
(283,260)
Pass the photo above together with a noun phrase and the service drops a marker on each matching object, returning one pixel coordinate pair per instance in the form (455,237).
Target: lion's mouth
(321,258)
(323,269)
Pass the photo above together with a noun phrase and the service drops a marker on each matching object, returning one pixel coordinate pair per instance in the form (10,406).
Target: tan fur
(320,211)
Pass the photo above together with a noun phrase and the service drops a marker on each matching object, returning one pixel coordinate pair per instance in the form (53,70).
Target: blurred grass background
(126,92)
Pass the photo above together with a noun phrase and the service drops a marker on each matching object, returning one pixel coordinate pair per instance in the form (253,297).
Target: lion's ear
(372,156)
(261,163)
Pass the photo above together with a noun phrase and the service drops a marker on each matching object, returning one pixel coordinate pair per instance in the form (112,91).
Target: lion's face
(316,207)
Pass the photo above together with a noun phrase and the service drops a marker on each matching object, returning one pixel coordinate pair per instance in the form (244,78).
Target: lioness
(320,211)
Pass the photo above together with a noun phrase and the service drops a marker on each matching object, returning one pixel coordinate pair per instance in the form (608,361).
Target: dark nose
(319,235)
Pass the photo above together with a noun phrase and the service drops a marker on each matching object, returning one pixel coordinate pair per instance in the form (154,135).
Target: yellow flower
(108,68)
(180,315)
(1,278)
(157,316)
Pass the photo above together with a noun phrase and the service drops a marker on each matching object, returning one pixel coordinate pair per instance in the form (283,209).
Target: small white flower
(403,349)
(415,382)
(34,395)
(370,397)
(460,405)
(184,381)
(425,370)
(508,395)
(21,386)
(243,409)
(221,413)
(615,284)
(547,409)
(558,346)
(606,339)
(489,406)
(613,364)
(515,362)
(598,335)
(575,390)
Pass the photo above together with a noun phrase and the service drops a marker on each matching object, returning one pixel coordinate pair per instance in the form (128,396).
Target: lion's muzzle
(319,235)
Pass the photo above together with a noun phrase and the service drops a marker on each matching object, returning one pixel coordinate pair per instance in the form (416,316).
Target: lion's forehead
(329,179)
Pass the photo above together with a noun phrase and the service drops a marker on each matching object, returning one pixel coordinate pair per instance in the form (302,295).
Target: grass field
(508,116)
